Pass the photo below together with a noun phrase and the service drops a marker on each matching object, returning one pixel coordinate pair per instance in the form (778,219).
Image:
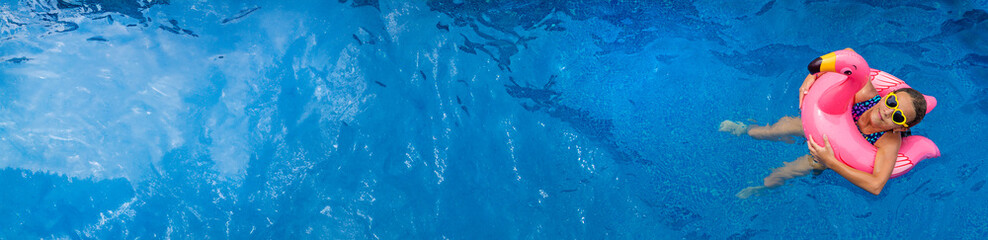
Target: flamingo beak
(823,63)
(814,66)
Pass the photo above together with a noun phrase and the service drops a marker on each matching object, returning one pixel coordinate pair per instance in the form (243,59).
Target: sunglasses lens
(891,101)
(898,117)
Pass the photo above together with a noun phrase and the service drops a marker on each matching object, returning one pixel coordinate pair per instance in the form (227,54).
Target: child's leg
(800,167)
(782,130)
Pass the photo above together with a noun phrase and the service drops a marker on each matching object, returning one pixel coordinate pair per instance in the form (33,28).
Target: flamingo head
(844,61)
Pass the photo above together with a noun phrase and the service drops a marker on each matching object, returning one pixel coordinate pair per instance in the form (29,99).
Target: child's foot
(734,127)
(747,192)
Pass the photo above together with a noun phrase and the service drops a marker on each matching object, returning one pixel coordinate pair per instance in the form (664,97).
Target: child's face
(884,115)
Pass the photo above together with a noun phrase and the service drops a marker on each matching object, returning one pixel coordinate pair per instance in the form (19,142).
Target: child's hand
(805,88)
(825,153)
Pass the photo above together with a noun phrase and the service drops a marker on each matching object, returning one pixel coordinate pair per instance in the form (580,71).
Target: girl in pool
(882,120)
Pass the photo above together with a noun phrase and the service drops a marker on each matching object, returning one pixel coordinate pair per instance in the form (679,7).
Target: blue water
(367,119)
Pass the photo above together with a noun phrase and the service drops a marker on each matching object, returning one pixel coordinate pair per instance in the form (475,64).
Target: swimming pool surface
(459,119)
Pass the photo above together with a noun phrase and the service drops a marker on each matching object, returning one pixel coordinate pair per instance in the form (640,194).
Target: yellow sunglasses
(898,117)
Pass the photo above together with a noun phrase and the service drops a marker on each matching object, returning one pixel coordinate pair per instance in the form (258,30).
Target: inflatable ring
(826,110)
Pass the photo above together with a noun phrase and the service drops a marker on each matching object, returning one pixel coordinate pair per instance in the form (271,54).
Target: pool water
(459,119)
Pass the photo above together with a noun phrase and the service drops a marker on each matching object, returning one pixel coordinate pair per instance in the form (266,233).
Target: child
(873,114)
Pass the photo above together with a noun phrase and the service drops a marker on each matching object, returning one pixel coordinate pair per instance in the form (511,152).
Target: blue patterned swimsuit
(859,108)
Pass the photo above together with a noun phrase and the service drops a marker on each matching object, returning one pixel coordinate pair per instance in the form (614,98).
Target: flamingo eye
(846,71)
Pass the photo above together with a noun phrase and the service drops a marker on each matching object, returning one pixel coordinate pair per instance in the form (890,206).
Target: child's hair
(918,101)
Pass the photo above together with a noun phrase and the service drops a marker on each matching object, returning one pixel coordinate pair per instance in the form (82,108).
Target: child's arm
(803,89)
(874,182)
